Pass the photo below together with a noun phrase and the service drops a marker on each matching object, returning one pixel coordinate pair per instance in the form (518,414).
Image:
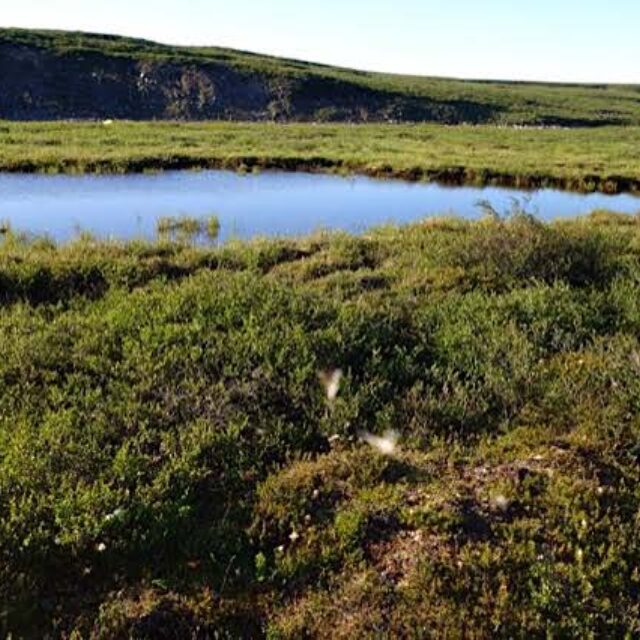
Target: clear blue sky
(559,40)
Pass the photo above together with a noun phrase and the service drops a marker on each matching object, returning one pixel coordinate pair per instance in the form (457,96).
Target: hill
(49,75)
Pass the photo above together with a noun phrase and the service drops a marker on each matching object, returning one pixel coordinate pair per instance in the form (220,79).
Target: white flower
(114,515)
(385,444)
(101,547)
(293,536)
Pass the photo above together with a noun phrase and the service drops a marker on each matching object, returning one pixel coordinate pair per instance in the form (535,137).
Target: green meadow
(179,456)
(603,159)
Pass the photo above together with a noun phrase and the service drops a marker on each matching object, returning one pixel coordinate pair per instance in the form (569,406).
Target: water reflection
(270,203)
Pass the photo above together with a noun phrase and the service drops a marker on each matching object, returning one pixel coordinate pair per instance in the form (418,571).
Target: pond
(265,204)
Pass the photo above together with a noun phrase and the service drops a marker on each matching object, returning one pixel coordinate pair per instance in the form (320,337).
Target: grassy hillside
(603,159)
(296,90)
(171,465)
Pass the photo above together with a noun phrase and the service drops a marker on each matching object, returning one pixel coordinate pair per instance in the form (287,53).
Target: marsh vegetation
(187,228)
(603,159)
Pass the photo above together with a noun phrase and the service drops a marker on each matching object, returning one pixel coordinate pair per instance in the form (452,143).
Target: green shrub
(167,452)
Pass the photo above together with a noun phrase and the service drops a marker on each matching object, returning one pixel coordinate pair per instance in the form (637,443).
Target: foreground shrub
(171,463)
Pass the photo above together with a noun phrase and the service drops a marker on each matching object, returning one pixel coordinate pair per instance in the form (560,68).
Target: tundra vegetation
(603,159)
(172,466)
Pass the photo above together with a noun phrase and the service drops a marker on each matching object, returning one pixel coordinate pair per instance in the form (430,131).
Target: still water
(266,204)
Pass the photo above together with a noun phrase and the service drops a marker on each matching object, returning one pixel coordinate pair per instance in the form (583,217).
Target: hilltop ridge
(51,75)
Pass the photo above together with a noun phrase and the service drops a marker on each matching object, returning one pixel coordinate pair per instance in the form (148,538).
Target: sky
(551,40)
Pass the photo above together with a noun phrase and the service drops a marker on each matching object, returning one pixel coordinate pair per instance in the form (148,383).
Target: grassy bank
(582,160)
(171,464)
(578,159)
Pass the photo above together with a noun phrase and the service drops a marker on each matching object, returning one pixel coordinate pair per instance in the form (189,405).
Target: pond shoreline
(446,176)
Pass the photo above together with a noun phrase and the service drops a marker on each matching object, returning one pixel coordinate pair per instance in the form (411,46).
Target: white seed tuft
(386,444)
(330,380)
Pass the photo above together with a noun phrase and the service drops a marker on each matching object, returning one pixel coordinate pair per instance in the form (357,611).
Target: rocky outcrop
(38,83)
